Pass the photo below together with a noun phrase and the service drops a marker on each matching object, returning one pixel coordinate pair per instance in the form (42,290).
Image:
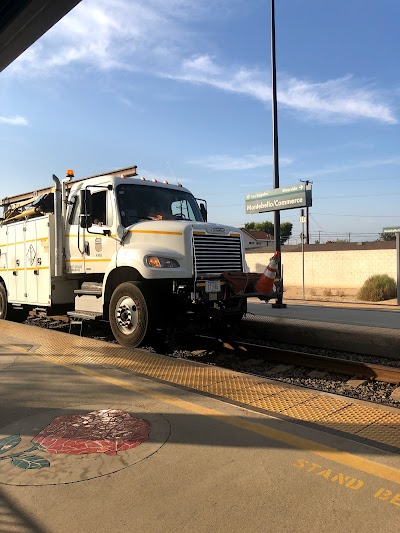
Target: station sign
(291,197)
(394,229)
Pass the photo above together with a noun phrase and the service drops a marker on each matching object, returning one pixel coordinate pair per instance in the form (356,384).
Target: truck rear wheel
(3,302)
(7,311)
(128,314)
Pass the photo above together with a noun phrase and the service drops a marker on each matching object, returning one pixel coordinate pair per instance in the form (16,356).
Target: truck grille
(214,254)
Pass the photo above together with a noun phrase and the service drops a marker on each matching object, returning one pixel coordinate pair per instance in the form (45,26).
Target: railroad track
(356,369)
(249,350)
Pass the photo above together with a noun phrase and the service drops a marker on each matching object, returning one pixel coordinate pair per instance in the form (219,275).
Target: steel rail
(356,369)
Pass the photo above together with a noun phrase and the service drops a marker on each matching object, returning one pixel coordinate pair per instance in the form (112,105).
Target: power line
(356,179)
(357,216)
(358,195)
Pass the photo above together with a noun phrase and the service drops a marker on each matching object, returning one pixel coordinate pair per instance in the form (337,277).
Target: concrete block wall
(344,269)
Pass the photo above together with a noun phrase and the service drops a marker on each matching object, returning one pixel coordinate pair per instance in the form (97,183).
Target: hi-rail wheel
(129,316)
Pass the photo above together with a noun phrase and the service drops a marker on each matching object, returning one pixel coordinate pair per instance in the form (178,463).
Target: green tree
(387,237)
(286,231)
(268,227)
(250,225)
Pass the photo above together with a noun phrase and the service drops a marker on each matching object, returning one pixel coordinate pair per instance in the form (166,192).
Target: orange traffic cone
(266,282)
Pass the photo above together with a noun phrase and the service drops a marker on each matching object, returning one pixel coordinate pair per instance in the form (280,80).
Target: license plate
(213,286)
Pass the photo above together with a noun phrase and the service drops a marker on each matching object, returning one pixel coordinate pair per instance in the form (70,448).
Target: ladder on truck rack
(126,172)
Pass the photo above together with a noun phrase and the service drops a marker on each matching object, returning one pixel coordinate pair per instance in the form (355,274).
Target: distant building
(256,239)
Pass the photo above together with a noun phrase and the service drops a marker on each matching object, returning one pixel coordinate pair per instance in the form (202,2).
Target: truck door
(90,251)
(101,243)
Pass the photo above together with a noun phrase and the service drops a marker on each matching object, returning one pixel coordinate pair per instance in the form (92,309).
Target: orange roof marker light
(69,174)
(165,181)
(142,178)
(129,173)
(154,180)
(179,184)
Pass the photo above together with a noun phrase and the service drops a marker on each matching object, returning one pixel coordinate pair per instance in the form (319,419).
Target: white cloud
(17,120)
(248,162)
(334,100)
(157,38)
(117,34)
(337,169)
(341,97)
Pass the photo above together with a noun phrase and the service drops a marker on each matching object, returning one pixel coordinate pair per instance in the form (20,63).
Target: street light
(277,214)
(275,127)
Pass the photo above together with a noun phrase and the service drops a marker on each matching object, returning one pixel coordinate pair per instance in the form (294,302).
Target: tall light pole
(277,214)
(275,128)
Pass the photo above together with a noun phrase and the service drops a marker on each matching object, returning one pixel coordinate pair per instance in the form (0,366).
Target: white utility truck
(138,253)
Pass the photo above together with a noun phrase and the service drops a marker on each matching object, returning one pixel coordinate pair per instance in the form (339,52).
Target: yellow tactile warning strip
(372,423)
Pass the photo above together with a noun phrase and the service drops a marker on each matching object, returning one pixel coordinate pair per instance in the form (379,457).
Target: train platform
(373,330)
(97,437)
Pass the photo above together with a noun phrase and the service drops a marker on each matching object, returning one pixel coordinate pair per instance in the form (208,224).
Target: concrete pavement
(377,318)
(207,465)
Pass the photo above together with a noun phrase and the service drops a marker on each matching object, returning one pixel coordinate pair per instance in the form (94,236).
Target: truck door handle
(87,248)
(15,273)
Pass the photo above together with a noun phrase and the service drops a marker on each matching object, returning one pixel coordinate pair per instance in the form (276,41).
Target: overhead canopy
(22,22)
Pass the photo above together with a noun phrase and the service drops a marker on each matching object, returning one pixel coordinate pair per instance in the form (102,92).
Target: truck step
(90,292)
(91,286)
(83,315)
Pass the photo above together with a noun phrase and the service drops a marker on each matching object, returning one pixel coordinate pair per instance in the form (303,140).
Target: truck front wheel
(129,315)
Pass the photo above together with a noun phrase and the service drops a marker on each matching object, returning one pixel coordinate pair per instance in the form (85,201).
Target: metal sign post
(302,220)
(277,215)
(398,265)
(396,230)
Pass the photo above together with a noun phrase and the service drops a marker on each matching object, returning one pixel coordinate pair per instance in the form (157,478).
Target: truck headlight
(155,261)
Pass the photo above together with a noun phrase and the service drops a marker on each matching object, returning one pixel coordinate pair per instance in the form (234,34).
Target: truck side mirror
(85,221)
(203,212)
(85,217)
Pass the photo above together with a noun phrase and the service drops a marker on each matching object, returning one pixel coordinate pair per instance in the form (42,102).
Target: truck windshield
(146,202)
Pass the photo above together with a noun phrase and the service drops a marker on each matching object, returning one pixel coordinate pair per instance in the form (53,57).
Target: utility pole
(277,225)
(277,214)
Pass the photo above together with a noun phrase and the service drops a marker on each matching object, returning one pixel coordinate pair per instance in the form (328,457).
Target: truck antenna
(172,172)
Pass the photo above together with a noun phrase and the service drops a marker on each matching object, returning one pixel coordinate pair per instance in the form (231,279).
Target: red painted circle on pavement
(106,431)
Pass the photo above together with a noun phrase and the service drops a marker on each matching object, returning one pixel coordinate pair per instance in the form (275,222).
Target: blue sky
(182,89)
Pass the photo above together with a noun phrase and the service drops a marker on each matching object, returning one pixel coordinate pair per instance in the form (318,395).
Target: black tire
(128,314)
(3,302)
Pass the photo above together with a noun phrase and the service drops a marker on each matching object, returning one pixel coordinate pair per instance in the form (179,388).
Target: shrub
(327,292)
(377,288)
